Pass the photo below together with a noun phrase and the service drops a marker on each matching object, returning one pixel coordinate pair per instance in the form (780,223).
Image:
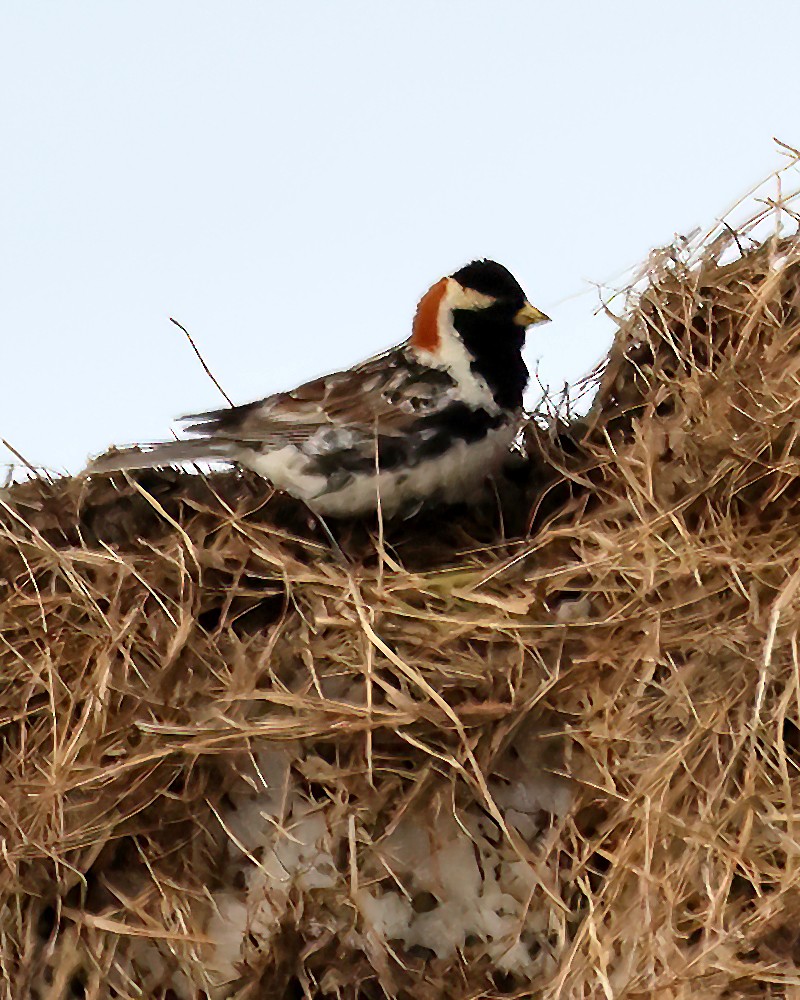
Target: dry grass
(211,726)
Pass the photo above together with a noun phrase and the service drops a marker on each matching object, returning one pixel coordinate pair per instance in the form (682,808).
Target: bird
(424,423)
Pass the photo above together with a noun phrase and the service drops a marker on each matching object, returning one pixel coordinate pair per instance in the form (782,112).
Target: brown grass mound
(463,764)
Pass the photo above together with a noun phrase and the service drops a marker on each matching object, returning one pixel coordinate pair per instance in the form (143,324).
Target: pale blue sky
(287,178)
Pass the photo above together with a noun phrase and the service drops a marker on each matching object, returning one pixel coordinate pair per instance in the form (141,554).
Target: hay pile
(474,761)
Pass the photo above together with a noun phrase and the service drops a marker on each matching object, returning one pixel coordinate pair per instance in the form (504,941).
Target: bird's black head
(490,278)
(491,321)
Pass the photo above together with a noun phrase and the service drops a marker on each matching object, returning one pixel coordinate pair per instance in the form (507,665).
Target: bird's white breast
(449,478)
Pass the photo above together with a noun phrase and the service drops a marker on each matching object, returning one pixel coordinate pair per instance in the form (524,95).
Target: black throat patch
(495,342)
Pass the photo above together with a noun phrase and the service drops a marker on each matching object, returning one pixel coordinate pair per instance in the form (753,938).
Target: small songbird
(425,422)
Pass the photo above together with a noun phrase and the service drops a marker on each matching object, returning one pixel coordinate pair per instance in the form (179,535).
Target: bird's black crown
(490,278)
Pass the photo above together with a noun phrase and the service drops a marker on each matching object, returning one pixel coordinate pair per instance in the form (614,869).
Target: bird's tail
(151,456)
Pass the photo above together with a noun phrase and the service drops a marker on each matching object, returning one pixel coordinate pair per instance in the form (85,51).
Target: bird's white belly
(451,477)
(286,469)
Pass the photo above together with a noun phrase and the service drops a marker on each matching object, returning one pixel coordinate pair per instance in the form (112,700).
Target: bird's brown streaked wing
(388,391)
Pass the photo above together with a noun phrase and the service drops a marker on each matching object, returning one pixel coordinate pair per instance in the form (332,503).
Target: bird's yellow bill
(528,315)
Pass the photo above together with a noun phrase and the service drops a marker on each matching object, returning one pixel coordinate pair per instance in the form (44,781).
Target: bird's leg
(337,549)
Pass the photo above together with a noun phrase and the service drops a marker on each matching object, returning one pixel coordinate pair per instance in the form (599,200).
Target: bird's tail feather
(168,453)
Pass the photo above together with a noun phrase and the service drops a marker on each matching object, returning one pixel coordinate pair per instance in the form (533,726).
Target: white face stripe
(458,297)
(452,355)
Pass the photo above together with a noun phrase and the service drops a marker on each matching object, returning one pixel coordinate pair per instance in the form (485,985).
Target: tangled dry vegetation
(548,748)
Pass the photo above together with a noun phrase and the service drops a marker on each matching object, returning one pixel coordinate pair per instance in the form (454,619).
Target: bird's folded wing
(388,393)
